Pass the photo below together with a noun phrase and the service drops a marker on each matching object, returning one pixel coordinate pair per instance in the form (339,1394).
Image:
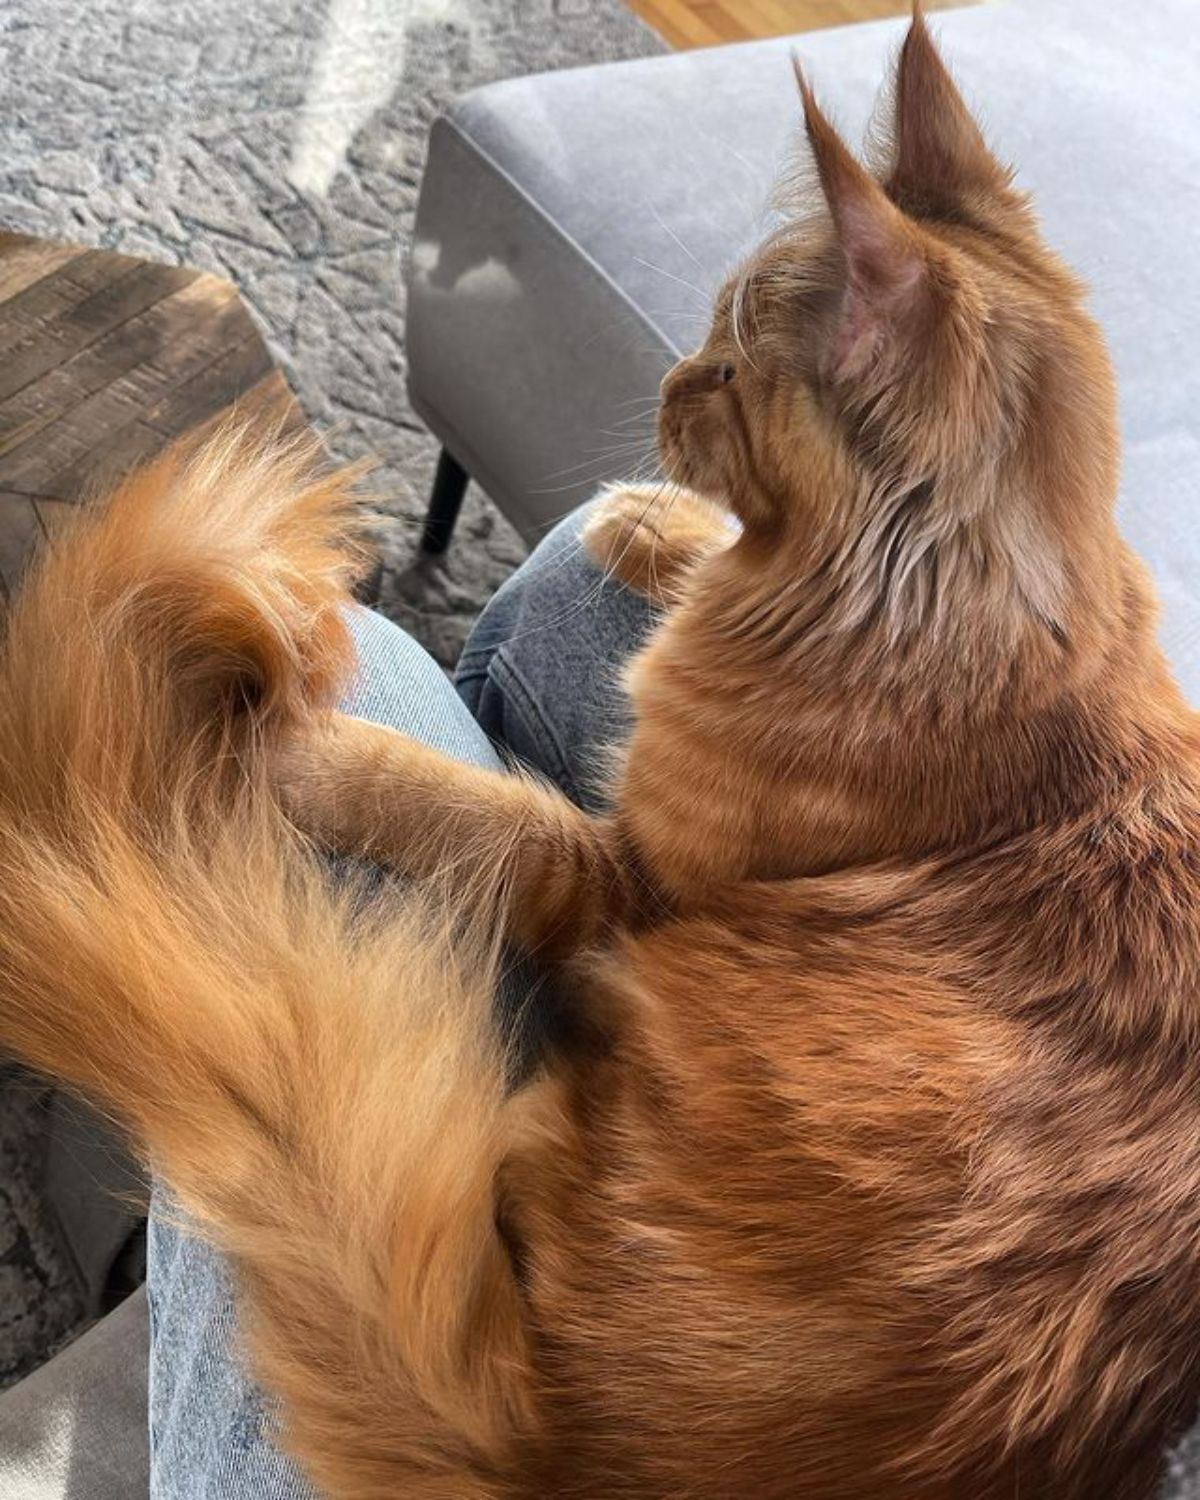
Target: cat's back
(923,1145)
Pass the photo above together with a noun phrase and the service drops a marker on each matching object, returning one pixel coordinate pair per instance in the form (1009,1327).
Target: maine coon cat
(871,1164)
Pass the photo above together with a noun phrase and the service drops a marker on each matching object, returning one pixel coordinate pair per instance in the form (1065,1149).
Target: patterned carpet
(280,143)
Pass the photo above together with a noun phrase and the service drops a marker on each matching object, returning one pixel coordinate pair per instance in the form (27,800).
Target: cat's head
(904,370)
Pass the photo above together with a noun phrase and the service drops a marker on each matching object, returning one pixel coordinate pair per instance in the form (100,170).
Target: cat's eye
(725,374)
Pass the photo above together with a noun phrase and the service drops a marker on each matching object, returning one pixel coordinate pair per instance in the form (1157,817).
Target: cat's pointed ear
(887,287)
(940,155)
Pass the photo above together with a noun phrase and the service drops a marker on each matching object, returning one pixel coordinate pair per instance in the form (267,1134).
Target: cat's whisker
(690,313)
(637,476)
(659,532)
(606,573)
(633,447)
(705,297)
(650,401)
(646,411)
(602,472)
(663,225)
(737,314)
(648,417)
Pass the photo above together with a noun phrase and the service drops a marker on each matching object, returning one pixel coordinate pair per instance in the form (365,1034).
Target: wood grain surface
(104,360)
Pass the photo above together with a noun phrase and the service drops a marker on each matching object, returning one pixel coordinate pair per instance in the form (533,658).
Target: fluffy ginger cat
(871,1164)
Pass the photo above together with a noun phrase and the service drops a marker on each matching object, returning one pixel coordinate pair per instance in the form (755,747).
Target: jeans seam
(474,663)
(535,720)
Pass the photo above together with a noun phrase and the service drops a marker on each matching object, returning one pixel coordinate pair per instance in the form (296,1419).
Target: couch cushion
(572,228)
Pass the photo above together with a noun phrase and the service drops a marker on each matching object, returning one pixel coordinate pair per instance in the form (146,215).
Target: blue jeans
(538,680)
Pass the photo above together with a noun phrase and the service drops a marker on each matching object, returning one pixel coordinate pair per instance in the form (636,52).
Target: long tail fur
(309,1065)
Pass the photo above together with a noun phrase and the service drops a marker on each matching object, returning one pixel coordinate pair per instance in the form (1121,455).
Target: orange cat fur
(874,1168)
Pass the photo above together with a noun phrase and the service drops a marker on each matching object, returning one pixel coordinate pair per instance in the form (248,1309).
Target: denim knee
(541,671)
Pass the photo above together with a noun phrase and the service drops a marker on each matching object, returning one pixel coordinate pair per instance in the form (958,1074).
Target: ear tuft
(884,253)
(941,157)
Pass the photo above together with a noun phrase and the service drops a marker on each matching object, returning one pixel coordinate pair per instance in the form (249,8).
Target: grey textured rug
(40,1301)
(280,143)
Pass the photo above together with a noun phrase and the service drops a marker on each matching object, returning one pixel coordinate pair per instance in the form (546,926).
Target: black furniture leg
(449,487)
(370,589)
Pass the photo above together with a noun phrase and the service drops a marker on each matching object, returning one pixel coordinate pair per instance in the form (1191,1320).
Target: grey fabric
(76,1428)
(572,227)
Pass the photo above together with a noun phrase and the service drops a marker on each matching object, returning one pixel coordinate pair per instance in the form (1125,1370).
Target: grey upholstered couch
(571,229)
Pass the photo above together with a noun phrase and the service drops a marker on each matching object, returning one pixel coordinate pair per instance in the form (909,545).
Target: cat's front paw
(651,536)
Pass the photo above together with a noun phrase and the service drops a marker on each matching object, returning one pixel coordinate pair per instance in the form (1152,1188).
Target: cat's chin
(679,471)
(676,468)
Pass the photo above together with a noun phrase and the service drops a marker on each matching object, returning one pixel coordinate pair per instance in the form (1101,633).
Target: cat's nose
(668,386)
(680,379)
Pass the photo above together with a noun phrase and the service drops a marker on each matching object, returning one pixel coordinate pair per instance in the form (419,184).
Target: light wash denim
(538,681)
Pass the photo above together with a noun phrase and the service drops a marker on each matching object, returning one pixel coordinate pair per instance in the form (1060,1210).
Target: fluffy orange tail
(310,1066)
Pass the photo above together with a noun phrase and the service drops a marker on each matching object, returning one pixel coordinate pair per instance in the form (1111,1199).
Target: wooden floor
(707,23)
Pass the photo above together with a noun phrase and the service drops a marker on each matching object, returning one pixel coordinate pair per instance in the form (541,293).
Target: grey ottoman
(572,227)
